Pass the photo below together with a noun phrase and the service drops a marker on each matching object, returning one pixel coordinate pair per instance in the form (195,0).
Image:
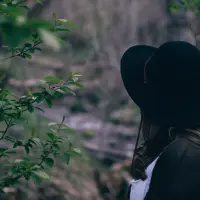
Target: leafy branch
(13,109)
(23,53)
(22,37)
(45,156)
(4,132)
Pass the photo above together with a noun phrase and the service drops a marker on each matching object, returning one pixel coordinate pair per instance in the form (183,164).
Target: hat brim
(132,72)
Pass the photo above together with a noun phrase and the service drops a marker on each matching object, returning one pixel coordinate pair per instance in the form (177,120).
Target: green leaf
(49,162)
(58,94)
(89,133)
(61,30)
(52,124)
(26,55)
(18,161)
(13,34)
(31,50)
(39,98)
(75,78)
(38,25)
(12,11)
(74,152)
(10,152)
(27,149)
(51,136)
(38,49)
(35,167)
(68,129)
(30,108)
(18,143)
(62,20)
(36,179)
(26,175)
(49,102)
(41,174)
(36,141)
(28,45)
(67,89)
(61,40)
(175,7)
(51,91)
(75,74)
(35,36)
(39,1)
(77,84)
(29,145)
(15,145)
(3,149)
(52,80)
(66,158)
(32,133)
(29,92)
(65,22)
(56,147)
(25,7)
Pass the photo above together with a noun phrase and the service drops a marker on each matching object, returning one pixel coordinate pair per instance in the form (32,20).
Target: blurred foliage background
(102,113)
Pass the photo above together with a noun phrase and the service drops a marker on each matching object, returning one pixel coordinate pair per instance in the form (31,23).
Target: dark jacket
(176,175)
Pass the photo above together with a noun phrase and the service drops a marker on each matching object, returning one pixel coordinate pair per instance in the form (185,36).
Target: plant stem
(19,54)
(63,119)
(51,147)
(47,154)
(4,133)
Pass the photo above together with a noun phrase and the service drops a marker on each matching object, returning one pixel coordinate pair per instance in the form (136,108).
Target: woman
(165,83)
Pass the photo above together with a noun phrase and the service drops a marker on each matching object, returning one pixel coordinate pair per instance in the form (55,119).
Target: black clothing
(176,175)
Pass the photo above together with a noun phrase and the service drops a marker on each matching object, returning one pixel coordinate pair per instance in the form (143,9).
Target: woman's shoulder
(180,148)
(176,175)
(181,154)
(180,160)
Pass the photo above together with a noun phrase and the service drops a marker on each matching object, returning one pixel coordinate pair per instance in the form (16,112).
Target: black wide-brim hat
(164,82)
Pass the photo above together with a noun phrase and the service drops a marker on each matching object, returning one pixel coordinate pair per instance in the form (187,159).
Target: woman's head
(164,82)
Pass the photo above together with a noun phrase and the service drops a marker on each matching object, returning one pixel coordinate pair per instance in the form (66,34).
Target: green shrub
(22,37)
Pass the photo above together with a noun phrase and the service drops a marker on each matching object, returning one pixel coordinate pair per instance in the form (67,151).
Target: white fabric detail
(139,188)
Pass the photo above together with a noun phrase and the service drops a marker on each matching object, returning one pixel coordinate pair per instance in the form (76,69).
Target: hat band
(145,66)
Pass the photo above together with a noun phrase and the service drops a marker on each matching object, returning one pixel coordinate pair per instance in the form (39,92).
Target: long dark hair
(154,140)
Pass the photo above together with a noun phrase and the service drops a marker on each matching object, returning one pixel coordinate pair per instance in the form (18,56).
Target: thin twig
(47,154)
(51,147)
(19,54)
(4,133)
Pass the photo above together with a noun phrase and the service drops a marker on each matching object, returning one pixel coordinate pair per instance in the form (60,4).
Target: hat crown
(175,69)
